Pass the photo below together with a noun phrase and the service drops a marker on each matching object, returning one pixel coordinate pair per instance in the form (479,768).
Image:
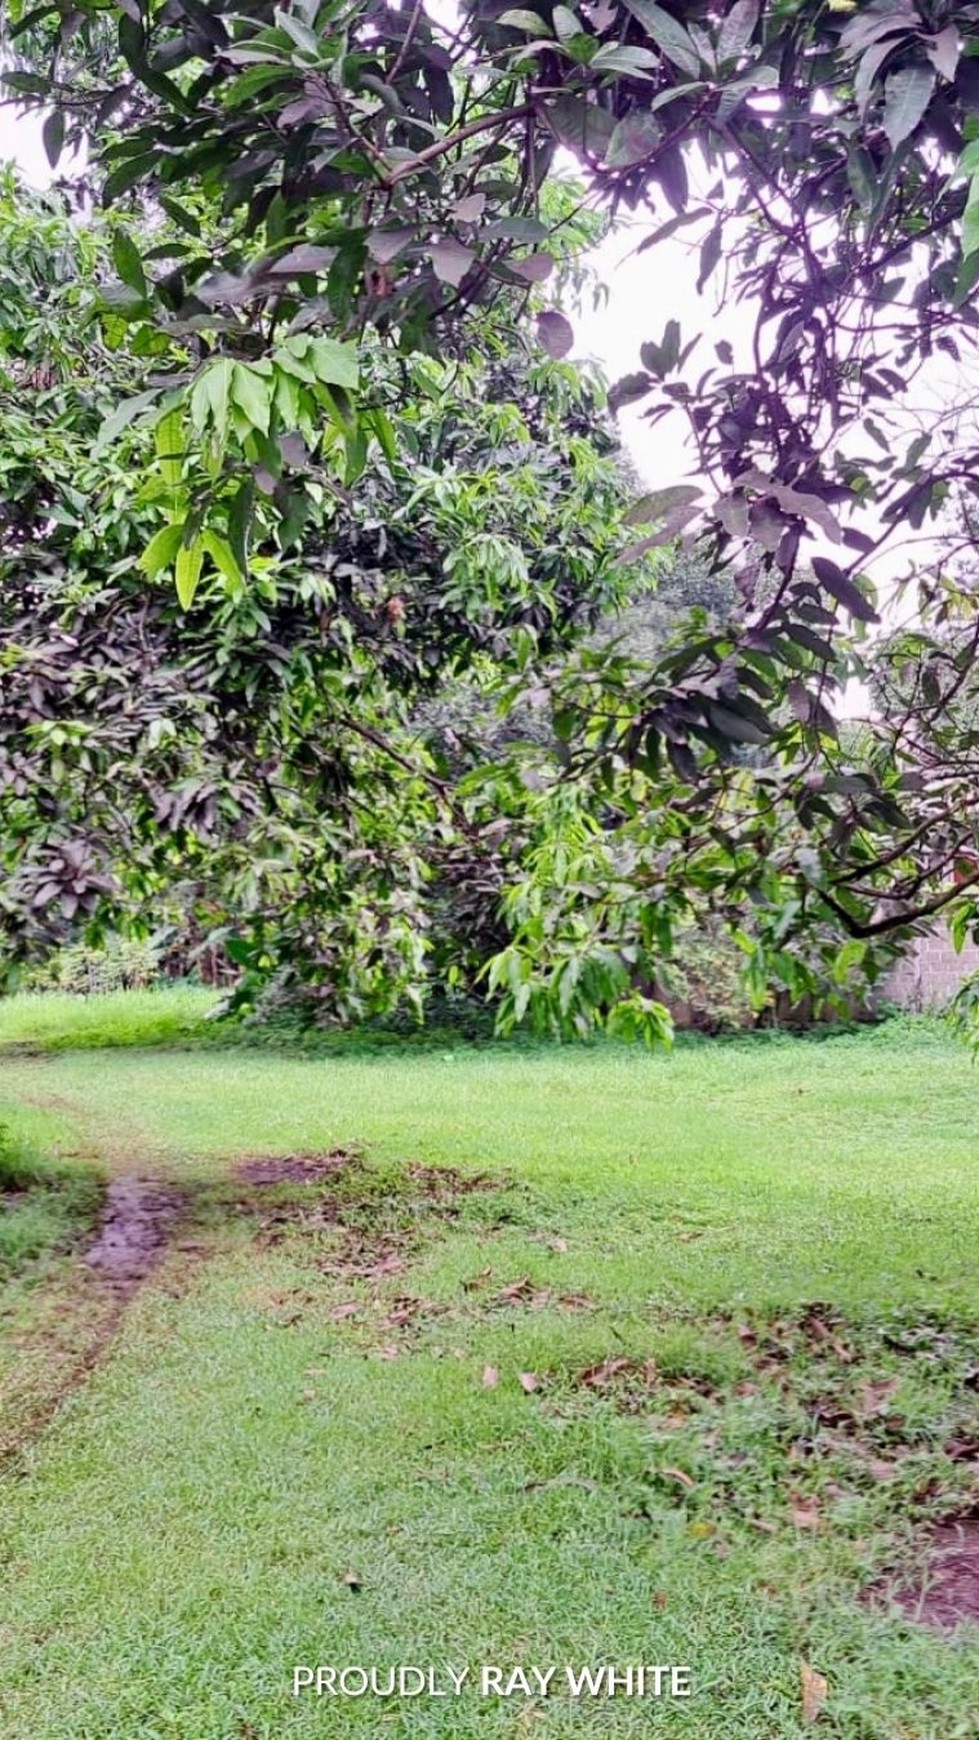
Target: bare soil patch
(268,1171)
(945,1592)
(137,1219)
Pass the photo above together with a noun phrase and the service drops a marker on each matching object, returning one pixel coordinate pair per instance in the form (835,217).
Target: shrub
(120,964)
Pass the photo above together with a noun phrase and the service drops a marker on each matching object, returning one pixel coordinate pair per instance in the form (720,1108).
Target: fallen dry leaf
(529,1381)
(406,1308)
(596,1375)
(476,1281)
(389,1351)
(660,1601)
(804,1517)
(814,1691)
(491,1377)
(560,1245)
(678,1474)
(353,1581)
(350,1309)
(517,1291)
(391,1265)
(577,1301)
(875,1397)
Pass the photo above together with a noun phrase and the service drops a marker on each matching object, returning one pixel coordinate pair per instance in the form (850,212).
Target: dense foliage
(256,761)
(378,177)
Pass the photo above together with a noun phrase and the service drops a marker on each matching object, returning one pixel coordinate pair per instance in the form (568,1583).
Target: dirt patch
(946,1593)
(443,1181)
(84,1308)
(268,1171)
(137,1219)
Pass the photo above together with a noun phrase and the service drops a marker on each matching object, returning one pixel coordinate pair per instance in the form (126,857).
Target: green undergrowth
(187,1015)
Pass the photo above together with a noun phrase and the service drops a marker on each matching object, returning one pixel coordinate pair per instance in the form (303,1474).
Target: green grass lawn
(57,1020)
(677,1384)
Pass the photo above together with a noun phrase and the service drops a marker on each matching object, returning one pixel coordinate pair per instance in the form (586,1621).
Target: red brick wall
(930,973)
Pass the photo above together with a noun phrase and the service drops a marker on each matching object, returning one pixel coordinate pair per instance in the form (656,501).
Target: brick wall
(930,973)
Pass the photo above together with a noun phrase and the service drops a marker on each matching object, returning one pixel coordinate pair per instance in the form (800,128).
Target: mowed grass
(677,1384)
(58,1020)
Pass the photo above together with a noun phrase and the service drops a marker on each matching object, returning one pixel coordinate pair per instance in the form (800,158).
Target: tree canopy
(342,189)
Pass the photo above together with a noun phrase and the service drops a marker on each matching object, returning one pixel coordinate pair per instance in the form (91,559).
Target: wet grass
(681,1381)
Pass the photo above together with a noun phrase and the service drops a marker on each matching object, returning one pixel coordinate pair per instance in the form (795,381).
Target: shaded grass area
(671,1368)
(63,1021)
(45,1206)
(48,1329)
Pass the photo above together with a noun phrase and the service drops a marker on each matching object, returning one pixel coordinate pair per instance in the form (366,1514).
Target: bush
(703,985)
(120,964)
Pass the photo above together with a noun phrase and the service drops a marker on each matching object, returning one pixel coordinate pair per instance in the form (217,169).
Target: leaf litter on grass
(791,1421)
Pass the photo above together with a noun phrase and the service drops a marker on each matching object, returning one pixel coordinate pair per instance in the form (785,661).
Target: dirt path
(137,1219)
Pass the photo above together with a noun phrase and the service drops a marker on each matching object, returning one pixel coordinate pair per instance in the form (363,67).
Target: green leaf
(239,523)
(907,94)
(335,364)
(126,174)
(356,451)
(119,419)
(566,23)
(301,34)
(161,550)
(970,221)
(250,392)
(170,448)
(217,383)
(633,62)
(518,19)
(943,52)
(128,262)
(223,557)
(184,219)
(380,423)
(669,36)
(187,570)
